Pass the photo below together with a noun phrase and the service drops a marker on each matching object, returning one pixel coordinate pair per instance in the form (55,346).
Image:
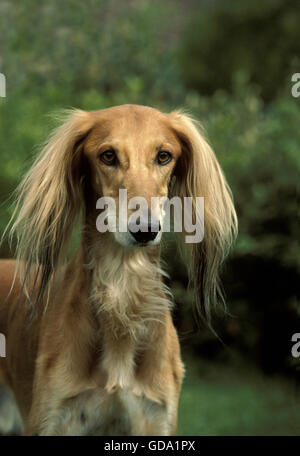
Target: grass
(222,400)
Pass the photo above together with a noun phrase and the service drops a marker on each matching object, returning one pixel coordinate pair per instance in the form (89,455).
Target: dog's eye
(163,157)
(108,157)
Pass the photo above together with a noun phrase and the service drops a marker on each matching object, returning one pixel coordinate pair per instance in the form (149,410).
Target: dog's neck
(127,289)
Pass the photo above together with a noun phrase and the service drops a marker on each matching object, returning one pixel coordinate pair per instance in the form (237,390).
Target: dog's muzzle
(145,232)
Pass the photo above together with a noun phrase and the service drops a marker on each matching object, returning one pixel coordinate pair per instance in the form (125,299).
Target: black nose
(147,232)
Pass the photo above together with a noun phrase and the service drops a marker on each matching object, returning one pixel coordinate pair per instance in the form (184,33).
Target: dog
(91,346)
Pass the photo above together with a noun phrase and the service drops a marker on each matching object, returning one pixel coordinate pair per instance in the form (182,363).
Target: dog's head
(143,152)
(132,153)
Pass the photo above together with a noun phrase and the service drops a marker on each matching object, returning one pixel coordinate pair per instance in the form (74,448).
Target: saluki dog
(91,348)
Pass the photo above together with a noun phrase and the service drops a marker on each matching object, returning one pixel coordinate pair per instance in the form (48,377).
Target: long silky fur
(199,174)
(48,204)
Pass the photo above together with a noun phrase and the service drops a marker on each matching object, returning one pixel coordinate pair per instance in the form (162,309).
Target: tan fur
(102,355)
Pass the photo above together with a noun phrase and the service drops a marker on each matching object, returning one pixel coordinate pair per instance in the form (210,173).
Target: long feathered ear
(198,174)
(48,203)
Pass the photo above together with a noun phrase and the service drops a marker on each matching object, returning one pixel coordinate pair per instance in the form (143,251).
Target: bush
(229,41)
(259,152)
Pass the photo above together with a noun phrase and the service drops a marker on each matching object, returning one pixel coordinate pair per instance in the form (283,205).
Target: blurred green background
(229,64)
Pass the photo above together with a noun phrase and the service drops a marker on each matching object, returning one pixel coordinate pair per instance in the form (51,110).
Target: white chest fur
(120,407)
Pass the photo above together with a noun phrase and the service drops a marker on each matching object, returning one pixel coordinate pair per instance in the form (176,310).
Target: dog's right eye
(108,157)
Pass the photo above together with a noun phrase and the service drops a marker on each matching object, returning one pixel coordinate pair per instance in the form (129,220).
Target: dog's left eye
(163,157)
(108,157)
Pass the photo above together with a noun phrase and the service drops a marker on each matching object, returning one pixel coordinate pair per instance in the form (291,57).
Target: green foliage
(229,41)
(76,49)
(258,150)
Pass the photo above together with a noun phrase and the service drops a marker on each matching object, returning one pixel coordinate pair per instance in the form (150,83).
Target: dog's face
(137,149)
(133,148)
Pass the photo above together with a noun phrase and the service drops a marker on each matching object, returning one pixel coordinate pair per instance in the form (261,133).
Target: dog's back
(7,268)
(16,368)
(10,419)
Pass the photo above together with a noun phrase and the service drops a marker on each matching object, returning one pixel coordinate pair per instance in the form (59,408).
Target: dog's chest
(95,412)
